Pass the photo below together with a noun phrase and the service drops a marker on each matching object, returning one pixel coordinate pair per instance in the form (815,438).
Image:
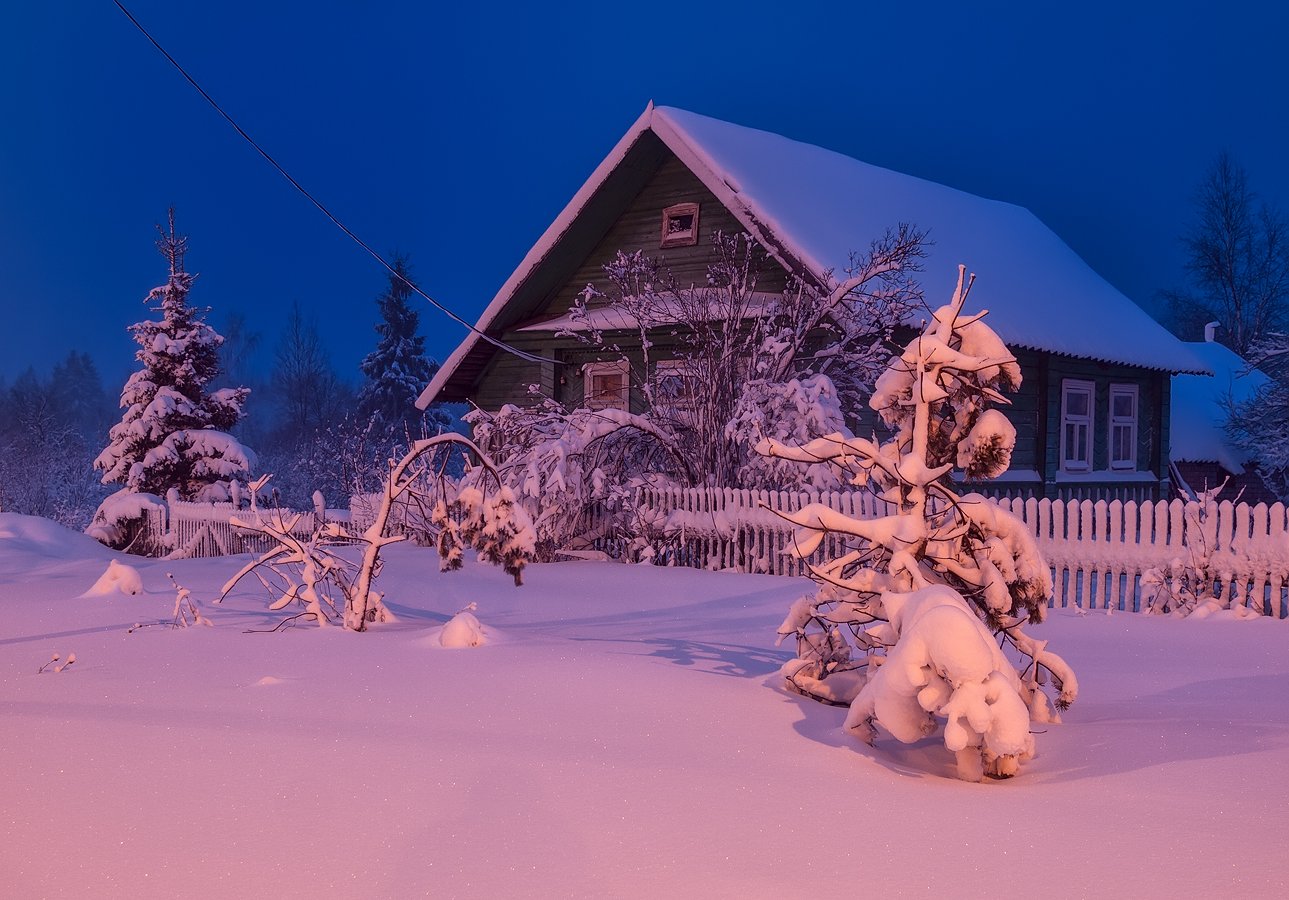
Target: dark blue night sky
(457,135)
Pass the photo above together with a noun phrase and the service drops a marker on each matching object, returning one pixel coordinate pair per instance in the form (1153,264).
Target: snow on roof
(820,206)
(824,206)
(1197,432)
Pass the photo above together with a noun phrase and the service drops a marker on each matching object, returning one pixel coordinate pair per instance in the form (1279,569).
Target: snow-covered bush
(118,578)
(173,432)
(1191,584)
(121,521)
(923,592)
(711,367)
(575,471)
(313,572)
(463,630)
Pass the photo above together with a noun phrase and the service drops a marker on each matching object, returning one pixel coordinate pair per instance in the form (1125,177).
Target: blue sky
(456,135)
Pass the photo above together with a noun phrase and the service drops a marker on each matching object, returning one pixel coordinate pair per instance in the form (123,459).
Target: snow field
(621,733)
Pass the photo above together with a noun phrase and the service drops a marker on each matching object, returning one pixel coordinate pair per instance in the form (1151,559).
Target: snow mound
(269,681)
(27,536)
(462,630)
(118,578)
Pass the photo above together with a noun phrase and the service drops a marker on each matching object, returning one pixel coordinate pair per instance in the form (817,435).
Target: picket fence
(1098,551)
(205,529)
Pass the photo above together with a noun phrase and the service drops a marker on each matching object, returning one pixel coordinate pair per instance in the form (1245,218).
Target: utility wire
(501,345)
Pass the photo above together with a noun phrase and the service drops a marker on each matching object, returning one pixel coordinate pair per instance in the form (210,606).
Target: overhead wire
(499,344)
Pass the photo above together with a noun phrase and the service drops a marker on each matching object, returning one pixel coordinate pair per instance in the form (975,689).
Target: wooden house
(1092,417)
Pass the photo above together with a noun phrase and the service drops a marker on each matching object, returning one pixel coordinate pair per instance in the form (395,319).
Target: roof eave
(535,255)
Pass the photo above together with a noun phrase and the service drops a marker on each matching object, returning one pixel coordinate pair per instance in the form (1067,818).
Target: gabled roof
(811,208)
(1198,432)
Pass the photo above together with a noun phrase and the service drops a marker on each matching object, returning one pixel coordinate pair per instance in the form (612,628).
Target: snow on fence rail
(206,529)
(1098,551)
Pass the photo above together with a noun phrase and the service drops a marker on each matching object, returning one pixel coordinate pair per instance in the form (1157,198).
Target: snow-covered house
(1202,455)
(1092,416)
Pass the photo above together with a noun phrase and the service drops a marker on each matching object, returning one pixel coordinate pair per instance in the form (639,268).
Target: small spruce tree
(398,369)
(173,431)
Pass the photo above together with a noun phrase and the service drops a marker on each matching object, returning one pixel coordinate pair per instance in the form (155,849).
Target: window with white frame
(1123,426)
(606,385)
(675,387)
(1078,402)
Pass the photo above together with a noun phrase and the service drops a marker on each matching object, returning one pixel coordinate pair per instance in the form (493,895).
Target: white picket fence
(1098,551)
(206,529)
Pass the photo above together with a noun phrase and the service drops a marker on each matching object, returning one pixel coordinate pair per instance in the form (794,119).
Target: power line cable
(501,345)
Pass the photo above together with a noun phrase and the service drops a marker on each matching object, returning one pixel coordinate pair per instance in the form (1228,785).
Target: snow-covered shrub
(791,412)
(118,578)
(173,432)
(1190,584)
(121,521)
(463,630)
(574,471)
(711,367)
(329,584)
(923,592)
(306,572)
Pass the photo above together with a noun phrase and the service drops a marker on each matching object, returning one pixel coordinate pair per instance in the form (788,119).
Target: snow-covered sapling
(314,573)
(186,610)
(303,571)
(1191,583)
(929,592)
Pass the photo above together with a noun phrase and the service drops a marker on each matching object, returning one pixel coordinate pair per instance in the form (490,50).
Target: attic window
(680,225)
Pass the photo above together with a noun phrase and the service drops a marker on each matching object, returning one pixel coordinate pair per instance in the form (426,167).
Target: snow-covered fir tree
(173,432)
(398,369)
(934,595)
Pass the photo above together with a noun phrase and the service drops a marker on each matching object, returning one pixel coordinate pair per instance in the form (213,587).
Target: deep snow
(621,733)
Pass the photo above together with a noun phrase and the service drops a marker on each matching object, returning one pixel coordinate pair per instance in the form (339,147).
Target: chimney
(1210,331)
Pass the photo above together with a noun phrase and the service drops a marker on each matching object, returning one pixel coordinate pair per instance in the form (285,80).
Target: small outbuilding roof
(1198,432)
(811,208)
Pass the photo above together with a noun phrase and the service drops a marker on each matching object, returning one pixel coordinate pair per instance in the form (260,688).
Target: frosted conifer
(172,434)
(398,369)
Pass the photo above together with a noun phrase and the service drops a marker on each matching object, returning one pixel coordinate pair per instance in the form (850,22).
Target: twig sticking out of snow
(58,666)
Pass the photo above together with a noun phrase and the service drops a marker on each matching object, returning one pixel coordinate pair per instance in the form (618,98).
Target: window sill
(1100,475)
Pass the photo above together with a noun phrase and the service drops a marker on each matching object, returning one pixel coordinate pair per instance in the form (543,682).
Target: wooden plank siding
(1152,418)
(655,180)
(640,228)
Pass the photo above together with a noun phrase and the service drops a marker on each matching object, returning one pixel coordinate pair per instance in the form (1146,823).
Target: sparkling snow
(627,738)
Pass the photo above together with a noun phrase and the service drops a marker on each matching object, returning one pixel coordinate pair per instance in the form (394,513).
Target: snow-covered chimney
(1210,331)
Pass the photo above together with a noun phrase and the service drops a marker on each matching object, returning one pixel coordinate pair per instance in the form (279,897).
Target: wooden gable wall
(639,227)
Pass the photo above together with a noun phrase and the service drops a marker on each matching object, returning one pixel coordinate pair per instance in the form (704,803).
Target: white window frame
(593,399)
(1071,386)
(1124,422)
(681,406)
